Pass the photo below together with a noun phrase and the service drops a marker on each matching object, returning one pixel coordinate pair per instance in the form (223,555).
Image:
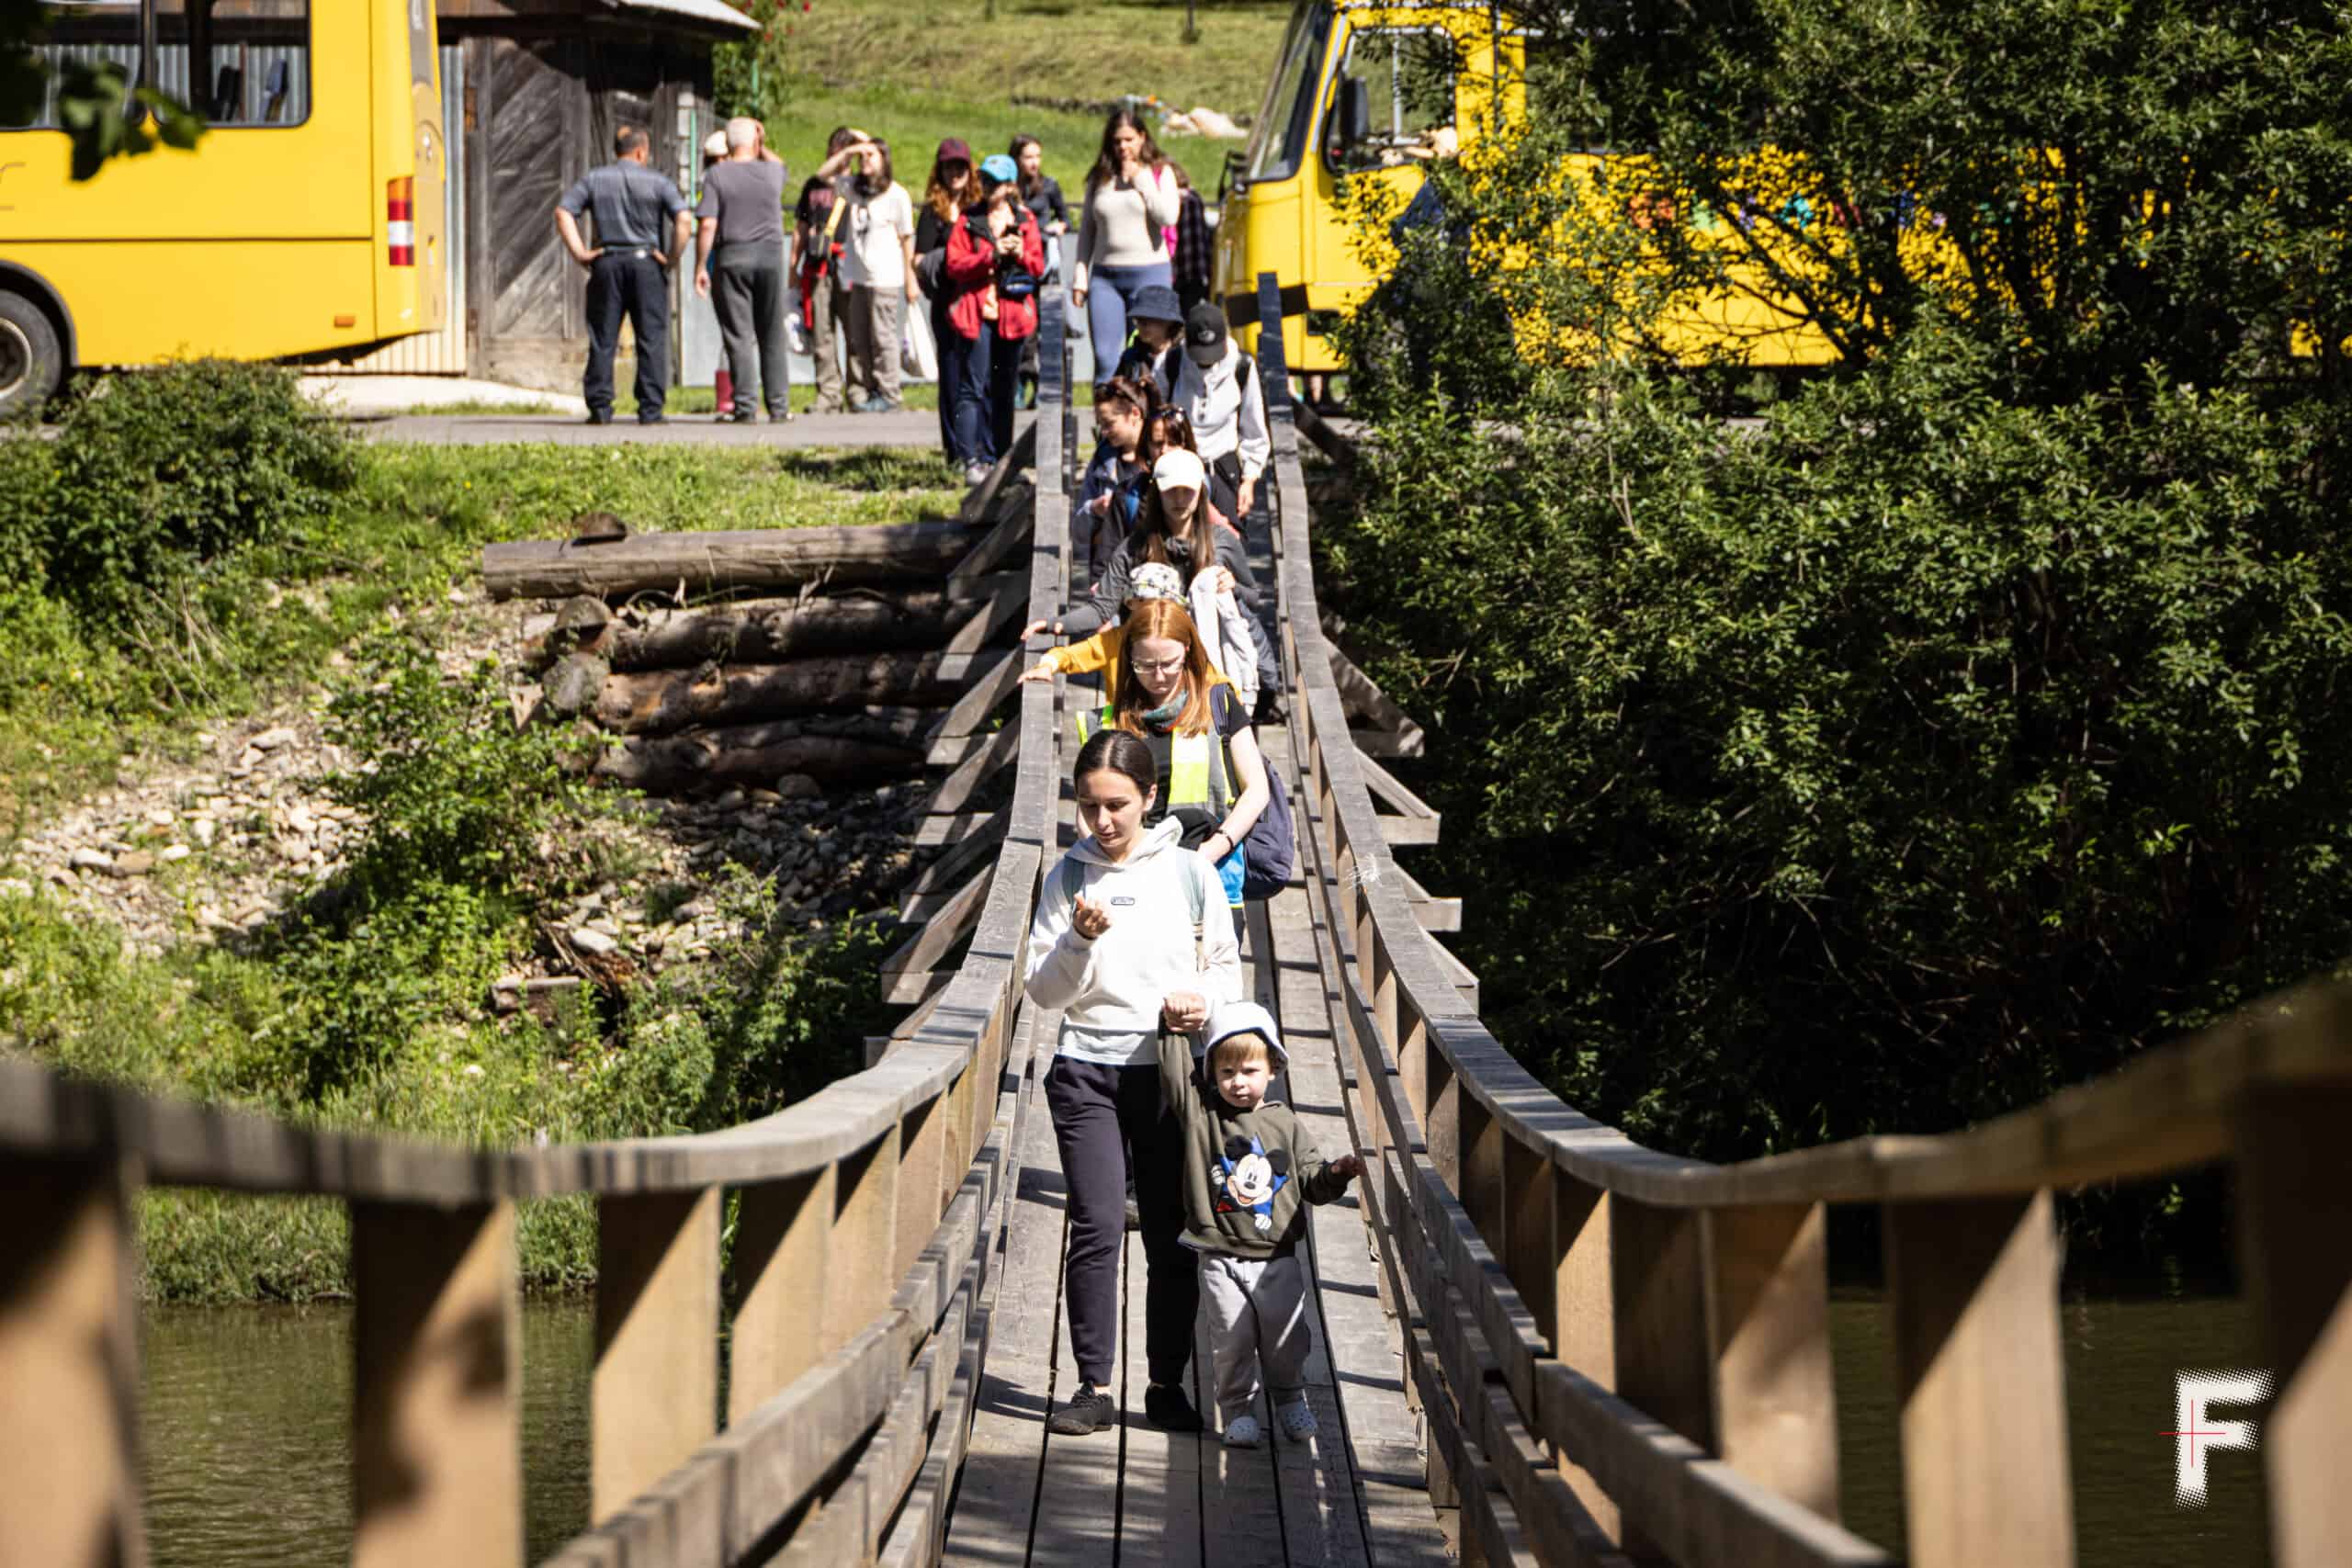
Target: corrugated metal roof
(711,12)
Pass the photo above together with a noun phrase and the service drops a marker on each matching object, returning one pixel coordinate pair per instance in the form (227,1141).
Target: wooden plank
(1775,1409)
(938,880)
(1159,1476)
(1019,455)
(69,1367)
(782,1234)
(865,1213)
(1980,1370)
(997,1496)
(1435,914)
(436,1449)
(2295,1238)
(990,684)
(655,1396)
(931,942)
(1386,789)
(1360,698)
(1241,1524)
(955,793)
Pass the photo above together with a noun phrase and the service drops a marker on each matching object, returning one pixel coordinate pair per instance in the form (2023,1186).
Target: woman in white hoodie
(1132,936)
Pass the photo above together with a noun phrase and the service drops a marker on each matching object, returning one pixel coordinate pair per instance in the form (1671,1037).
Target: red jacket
(971,268)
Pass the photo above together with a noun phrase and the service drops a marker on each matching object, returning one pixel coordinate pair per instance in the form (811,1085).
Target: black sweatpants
(1105,1120)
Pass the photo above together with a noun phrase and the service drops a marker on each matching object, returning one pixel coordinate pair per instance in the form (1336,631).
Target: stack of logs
(844,654)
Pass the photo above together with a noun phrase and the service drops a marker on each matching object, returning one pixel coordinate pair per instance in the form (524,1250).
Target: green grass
(270,617)
(909,73)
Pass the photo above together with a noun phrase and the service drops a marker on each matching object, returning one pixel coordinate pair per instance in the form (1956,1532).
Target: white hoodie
(1110,989)
(1227,416)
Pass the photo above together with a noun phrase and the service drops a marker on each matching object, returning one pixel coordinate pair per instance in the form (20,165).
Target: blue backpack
(1270,850)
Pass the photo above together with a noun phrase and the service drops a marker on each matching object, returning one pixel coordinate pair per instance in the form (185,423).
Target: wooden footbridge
(1540,1342)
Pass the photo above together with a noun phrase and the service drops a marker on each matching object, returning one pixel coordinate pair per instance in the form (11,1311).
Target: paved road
(907,428)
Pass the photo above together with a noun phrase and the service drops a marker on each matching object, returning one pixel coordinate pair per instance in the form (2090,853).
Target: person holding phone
(1132,936)
(1131,203)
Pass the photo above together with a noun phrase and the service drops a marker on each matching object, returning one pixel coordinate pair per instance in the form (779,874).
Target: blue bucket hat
(998,169)
(1157,302)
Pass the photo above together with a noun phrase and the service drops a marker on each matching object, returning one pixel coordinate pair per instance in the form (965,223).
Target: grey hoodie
(1109,990)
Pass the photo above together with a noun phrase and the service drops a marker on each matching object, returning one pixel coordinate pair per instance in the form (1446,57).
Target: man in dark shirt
(627,269)
(740,239)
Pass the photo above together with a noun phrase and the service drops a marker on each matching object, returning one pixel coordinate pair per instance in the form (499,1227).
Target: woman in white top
(1132,201)
(1132,936)
(879,263)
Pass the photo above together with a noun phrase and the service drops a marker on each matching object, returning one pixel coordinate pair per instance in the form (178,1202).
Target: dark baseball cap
(1157,302)
(955,149)
(1204,334)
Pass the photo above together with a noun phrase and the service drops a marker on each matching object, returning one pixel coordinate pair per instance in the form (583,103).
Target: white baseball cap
(1179,470)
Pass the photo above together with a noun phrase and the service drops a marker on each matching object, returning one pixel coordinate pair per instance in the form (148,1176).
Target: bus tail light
(400,221)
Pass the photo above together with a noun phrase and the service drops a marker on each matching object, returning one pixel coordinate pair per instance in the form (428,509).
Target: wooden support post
(921,1135)
(1658,1286)
(1526,1246)
(1584,1314)
(1441,1128)
(436,1449)
(69,1367)
(1767,1332)
(1982,1376)
(655,1393)
(865,1210)
(780,1232)
(2295,1192)
(1481,1187)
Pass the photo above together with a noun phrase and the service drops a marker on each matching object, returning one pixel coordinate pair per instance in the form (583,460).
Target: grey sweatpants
(1257,1313)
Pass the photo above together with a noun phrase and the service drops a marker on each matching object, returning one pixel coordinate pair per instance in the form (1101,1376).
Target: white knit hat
(1179,470)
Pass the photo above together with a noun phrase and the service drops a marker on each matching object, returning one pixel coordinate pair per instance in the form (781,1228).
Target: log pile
(745,657)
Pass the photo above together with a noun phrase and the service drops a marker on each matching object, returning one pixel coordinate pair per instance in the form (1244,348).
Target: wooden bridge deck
(1134,1496)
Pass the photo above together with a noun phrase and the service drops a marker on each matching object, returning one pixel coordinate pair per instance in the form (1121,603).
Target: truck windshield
(1286,120)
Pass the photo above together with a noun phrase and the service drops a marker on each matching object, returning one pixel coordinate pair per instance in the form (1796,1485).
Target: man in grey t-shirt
(627,269)
(741,266)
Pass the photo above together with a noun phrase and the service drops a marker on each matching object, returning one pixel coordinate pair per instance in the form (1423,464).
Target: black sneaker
(601,416)
(1088,1411)
(1166,1406)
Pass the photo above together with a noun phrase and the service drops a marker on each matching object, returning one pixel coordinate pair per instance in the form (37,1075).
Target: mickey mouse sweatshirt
(1246,1172)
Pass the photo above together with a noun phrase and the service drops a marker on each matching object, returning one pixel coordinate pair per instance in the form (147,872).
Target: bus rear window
(236,63)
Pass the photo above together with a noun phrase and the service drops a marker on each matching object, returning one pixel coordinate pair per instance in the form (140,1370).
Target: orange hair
(1165,618)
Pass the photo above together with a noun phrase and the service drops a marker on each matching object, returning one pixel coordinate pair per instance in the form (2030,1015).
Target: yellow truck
(1364,89)
(307,220)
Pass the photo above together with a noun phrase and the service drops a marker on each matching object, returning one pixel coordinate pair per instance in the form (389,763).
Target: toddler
(1247,1168)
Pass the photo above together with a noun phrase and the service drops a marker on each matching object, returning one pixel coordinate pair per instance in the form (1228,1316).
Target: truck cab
(1360,91)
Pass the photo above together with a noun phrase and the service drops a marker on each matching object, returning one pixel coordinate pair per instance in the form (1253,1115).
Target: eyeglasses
(1158,666)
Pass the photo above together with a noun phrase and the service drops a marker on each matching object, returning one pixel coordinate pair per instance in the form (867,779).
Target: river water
(247,1412)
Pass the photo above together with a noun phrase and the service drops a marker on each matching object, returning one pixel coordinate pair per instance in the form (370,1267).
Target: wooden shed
(533,90)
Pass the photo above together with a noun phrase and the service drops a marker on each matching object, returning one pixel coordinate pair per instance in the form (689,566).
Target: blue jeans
(964,392)
(1109,290)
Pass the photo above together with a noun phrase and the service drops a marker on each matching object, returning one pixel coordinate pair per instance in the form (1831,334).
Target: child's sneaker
(1243,1432)
(1297,1420)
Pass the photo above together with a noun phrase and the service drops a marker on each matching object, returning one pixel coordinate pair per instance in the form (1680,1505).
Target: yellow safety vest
(1192,769)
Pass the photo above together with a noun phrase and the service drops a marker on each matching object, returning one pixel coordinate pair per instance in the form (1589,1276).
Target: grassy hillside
(914,74)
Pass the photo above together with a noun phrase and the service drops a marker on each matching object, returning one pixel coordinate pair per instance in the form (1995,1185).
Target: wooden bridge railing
(867,1223)
(1624,1356)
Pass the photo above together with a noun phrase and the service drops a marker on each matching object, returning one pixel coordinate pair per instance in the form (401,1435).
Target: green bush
(160,472)
(1967,723)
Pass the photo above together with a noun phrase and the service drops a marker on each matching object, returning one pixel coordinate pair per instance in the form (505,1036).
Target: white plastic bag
(796,331)
(918,356)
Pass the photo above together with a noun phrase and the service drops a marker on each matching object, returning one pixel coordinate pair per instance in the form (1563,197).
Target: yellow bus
(307,220)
